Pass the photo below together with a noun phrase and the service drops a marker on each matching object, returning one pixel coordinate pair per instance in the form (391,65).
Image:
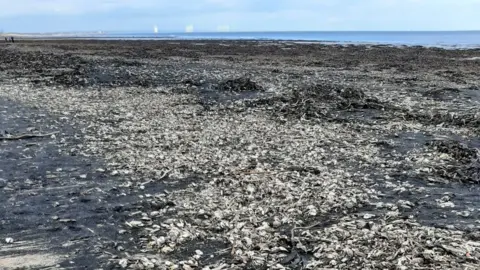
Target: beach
(238,155)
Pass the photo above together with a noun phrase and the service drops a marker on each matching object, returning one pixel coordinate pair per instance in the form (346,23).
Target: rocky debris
(78,72)
(227,92)
(230,187)
(458,151)
(108,75)
(238,85)
(9,240)
(443,93)
(468,119)
(55,197)
(460,162)
(193,82)
(452,75)
(400,243)
(320,99)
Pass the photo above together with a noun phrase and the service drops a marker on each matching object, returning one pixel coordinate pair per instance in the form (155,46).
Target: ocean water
(463,39)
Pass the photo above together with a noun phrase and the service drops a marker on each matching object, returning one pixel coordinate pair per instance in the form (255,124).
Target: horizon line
(220,32)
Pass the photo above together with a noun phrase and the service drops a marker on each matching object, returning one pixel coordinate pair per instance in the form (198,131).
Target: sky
(237,15)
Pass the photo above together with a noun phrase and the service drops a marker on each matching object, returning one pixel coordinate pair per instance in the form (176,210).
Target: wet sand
(238,155)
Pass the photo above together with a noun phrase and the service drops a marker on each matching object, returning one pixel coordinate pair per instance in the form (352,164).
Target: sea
(448,39)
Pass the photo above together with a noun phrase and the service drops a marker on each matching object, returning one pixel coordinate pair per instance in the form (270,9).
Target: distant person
(6,39)
(13,40)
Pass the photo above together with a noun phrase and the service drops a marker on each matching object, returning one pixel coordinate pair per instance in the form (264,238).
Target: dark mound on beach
(447,119)
(465,166)
(242,84)
(319,99)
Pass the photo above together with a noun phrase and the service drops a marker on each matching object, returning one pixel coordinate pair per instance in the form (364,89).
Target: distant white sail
(189,28)
(155,29)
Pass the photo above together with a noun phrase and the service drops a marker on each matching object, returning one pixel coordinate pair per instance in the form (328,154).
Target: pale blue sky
(237,15)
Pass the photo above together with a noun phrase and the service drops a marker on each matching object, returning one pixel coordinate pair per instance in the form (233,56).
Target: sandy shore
(238,155)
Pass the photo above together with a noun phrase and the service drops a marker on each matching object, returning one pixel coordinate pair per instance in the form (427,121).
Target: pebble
(123,263)
(446,204)
(361,224)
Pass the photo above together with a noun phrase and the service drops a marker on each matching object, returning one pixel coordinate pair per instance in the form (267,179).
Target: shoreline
(179,37)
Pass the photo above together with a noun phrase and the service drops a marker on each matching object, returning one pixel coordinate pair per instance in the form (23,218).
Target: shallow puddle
(451,205)
(209,95)
(403,143)
(59,201)
(453,94)
(373,116)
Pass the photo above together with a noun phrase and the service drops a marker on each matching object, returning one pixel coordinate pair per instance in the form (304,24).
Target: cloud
(76,7)
(241,15)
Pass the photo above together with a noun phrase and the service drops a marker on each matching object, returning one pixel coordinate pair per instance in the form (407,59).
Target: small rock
(349,205)
(123,263)
(167,249)
(444,156)
(67,220)
(446,198)
(405,204)
(464,214)
(428,254)
(446,204)
(361,224)
(161,241)
(453,250)
(348,252)
(417,261)
(135,224)
(3,183)
(147,263)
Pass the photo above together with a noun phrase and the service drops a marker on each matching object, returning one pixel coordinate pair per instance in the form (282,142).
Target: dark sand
(238,155)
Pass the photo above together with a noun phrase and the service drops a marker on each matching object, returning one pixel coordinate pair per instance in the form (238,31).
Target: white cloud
(30,7)
(69,7)
(245,14)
